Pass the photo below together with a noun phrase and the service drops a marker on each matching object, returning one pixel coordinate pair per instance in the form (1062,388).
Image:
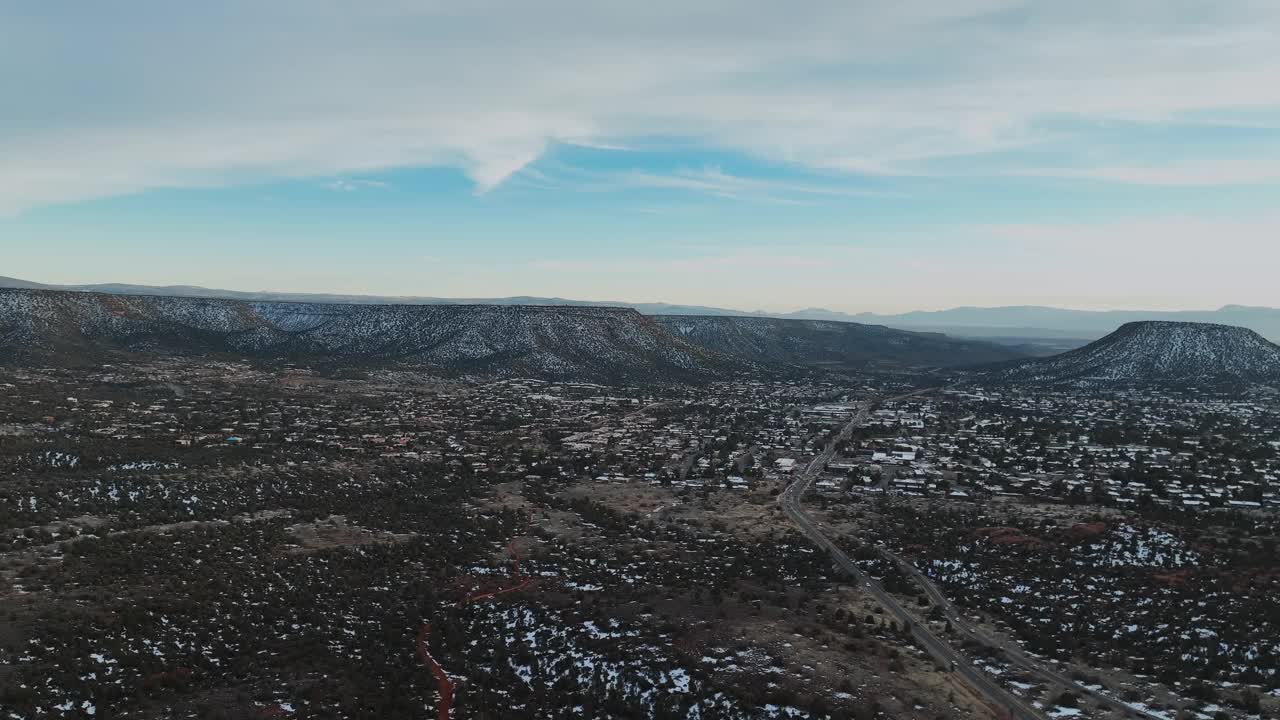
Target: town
(206,538)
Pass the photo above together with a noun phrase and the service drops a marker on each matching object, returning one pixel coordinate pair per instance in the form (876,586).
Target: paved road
(1005,702)
(1013,654)
(936,646)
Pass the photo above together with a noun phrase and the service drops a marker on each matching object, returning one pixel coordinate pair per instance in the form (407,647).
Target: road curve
(1005,702)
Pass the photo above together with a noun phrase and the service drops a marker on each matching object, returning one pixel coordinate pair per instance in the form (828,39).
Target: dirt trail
(443,683)
(518,582)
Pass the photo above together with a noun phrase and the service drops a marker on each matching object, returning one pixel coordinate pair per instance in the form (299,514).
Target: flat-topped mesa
(591,343)
(1159,353)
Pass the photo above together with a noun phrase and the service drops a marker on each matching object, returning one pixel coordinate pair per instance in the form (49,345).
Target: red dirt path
(443,683)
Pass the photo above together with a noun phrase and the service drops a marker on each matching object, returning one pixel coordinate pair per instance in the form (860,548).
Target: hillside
(587,343)
(772,341)
(604,344)
(1159,353)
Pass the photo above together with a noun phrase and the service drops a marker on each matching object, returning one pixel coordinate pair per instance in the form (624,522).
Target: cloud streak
(711,181)
(1198,174)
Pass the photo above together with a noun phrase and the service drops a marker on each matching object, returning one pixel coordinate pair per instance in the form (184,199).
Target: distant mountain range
(602,344)
(1052,329)
(269,296)
(558,342)
(1160,353)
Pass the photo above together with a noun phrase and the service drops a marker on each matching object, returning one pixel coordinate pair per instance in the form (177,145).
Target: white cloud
(117,99)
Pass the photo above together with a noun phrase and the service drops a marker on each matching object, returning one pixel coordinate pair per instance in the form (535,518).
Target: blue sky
(850,155)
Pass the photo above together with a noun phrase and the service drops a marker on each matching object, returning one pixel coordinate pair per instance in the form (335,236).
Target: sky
(853,155)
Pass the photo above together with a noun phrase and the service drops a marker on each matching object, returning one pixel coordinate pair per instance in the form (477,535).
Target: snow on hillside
(1160,352)
(565,342)
(561,342)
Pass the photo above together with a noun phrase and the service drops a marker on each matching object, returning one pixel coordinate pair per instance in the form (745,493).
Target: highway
(1013,706)
(1013,654)
(1000,699)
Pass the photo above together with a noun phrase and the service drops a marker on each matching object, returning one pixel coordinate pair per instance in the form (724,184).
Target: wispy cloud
(771,187)
(1252,171)
(349,185)
(252,91)
(714,181)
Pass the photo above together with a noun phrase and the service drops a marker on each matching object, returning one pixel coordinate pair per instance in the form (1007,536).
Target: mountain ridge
(612,344)
(598,344)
